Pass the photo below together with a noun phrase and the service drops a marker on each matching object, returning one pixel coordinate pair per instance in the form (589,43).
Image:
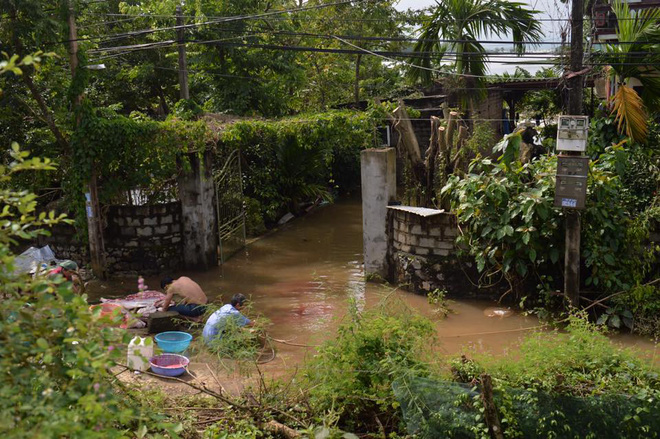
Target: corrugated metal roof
(420,211)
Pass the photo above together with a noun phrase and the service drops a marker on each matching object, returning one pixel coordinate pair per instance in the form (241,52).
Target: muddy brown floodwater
(302,277)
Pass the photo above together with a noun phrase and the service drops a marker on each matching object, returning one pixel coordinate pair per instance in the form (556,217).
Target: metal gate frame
(230,222)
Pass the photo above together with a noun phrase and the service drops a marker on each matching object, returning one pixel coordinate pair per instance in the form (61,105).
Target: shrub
(511,228)
(580,361)
(55,356)
(353,374)
(643,302)
(299,159)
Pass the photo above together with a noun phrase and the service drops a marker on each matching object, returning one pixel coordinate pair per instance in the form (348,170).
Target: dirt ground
(205,370)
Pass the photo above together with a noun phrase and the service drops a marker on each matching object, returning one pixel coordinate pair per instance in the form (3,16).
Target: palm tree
(453,31)
(635,55)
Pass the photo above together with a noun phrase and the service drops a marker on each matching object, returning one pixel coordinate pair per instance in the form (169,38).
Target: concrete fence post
(378,168)
(198,213)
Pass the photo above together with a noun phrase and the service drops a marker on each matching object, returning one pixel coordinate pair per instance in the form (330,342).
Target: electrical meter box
(571,165)
(572,133)
(571,183)
(570,192)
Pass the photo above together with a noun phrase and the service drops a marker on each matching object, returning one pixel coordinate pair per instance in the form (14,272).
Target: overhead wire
(387,55)
(226,20)
(351,19)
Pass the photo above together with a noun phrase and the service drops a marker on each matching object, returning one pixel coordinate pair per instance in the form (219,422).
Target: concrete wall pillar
(378,188)
(198,213)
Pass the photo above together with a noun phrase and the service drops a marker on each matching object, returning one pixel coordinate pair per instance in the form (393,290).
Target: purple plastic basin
(169,365)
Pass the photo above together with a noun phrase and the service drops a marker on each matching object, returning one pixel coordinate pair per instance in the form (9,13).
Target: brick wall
(138,240)
(422,253)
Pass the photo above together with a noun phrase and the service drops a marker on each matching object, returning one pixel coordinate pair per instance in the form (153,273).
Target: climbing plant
(128,153)
(298,159)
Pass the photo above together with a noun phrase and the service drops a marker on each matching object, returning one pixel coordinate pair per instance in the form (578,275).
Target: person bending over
(193,300)
(215,324)
(69,271)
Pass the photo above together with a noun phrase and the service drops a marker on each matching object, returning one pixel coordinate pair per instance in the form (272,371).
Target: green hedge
(289,161)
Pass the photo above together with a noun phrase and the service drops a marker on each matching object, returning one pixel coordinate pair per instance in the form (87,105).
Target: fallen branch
(215,377)
(271,426)
(599,301)
(201,389)
(281,429)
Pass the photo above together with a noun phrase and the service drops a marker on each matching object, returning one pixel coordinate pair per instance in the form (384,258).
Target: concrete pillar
(378,188)
(198,213)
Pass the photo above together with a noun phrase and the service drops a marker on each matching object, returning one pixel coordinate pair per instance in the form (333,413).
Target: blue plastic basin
(173,341)
(170,365)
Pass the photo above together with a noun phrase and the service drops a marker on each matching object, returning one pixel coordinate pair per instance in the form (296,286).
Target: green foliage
(602,134)
(353,374)
(234,429)
(513,230)
(572,383)
(542,104)
(463,23)
(18,217)
(236,343)
(254,221)
(578,361)
(187,110)
(637,166)
(55,354)
(128,153)
(642,305)
(438,300)
(299,159)
(627,61)
(482,140)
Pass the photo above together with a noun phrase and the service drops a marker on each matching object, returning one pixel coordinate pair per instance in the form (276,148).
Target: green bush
(55,355)
(352,375)
(127,153)
(512,229)
(572,383)
(579,361)
(298,159)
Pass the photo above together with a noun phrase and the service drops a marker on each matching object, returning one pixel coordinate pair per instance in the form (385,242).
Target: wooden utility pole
(183,65)
(574,108)
(92,208)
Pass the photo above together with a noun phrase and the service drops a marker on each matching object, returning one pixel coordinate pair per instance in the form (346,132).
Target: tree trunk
(46,113)
(163,101)
(490,410)
(437,133)
(357,79)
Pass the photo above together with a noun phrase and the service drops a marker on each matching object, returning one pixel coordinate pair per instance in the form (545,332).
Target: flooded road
(302,277)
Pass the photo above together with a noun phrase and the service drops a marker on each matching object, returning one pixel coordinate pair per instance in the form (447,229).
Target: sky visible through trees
(553,13)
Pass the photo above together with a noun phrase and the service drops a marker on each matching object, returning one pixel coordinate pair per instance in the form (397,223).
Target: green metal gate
(230,206)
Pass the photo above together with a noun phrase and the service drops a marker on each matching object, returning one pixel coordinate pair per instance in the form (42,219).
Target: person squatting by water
(193,300)
(215,324)
(69,271)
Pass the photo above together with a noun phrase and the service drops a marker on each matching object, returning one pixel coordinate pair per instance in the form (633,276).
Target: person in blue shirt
(215,324)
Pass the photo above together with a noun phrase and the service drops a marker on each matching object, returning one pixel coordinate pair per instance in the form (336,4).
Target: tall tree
(453,30)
